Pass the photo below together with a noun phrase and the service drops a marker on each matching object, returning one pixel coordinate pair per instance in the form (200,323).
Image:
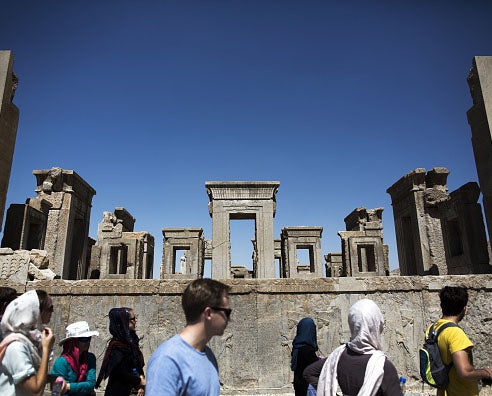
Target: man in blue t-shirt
(184,364)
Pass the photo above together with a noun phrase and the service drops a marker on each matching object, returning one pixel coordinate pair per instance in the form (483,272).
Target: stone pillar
(464,230)
(9,119)
(415,199)
(242,200)
(480,120)
(68,219)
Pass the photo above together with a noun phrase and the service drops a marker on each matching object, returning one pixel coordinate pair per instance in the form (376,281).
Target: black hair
(453,300)
(7,294)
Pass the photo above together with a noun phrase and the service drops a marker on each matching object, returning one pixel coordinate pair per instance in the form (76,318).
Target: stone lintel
(266,286)
(139,235)
(238,190)
(302,231)
(181,233)
(350,234)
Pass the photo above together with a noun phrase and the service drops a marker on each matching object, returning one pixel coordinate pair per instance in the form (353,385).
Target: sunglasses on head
(227,311)
(84,339)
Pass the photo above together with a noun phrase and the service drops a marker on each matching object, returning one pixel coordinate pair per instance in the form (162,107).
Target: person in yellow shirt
(455,346)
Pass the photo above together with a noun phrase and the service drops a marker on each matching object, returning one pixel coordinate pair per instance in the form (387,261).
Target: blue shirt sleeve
(164,378)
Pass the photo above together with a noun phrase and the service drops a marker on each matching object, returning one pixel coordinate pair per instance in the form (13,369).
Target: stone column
(265,241)
(221,244)
(9,119)
(480,120)
(415,199)
(68,219)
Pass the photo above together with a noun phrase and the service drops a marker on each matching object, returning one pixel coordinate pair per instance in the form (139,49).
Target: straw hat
(77,330)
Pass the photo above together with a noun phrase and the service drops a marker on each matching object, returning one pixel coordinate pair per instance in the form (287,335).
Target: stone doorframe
(190,240)
(254,200)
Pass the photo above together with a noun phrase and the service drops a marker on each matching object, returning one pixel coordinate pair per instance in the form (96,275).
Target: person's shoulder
(452,328)
(167,347)
(16,347)
(60,360)
(389,366)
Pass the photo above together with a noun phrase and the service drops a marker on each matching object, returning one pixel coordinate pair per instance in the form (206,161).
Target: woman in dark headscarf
(304,349)
(123,361)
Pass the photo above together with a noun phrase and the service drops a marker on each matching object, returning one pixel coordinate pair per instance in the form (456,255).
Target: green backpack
(432,369)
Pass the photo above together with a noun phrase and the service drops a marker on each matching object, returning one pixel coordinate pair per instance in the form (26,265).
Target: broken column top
(126,218)
(419,180)
(360,217)
(61,180)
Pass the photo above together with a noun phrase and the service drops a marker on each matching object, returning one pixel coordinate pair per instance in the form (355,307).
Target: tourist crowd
(185,365)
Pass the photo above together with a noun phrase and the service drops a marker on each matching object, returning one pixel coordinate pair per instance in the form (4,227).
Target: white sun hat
(78,329)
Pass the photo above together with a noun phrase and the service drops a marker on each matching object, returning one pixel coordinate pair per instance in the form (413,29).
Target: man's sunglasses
(84,339)
(227,311)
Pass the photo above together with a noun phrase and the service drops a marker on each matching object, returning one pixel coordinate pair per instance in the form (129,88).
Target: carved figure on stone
(109,217)
(53,180)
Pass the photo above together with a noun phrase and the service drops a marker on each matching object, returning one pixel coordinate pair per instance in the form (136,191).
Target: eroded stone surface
(254,352)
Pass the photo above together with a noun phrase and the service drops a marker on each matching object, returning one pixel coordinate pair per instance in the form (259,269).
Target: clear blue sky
(336,100)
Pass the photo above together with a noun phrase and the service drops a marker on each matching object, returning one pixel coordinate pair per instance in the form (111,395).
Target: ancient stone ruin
(119,251)
(9,118)
(438,233)
(56,220)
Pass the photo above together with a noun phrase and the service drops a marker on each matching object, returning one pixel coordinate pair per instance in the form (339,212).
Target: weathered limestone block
(14,265)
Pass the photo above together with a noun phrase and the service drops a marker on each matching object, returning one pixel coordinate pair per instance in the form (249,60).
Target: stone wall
(254,352)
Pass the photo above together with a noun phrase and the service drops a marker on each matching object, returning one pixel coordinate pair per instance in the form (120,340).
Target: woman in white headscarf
(25,349)
(360,367)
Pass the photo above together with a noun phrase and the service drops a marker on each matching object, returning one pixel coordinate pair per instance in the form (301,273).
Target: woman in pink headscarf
(76,365)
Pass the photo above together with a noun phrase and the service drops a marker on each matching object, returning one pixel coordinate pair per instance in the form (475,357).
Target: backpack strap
(436,334)
(444,326)
(432,335)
